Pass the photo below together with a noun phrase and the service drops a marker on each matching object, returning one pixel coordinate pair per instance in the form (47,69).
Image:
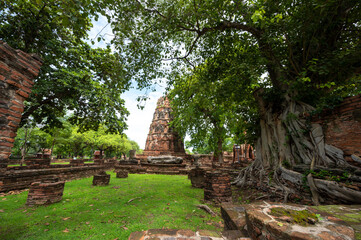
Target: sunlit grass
(89,212)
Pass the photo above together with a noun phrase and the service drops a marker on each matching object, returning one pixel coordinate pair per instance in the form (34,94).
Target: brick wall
(342,126)
(17,70)
(17,178)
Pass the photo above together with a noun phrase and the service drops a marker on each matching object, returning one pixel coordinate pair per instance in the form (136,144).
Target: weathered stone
(173,234)
(17,71)
(132,154)
(17,178)
(162,232)
(218,187)
(341,124)
(47,192)
(101,179)
(38,163)
(186,233)
(137,236)
(77,162)
(234,217)
(356,158)
(197,177)
(264,223)
(122,174)
(164,159)
(162,139)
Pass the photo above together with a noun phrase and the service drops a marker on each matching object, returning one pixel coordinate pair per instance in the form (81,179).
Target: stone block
(164,159)
(77,162)
(101,179)
(45,192)
(16,74)
(38,163)
(122,174)
(286,221)
(218,187)
(197,177)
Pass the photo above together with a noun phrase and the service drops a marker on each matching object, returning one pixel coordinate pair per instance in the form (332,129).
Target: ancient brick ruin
(342,127)
(162,139)
(37,163)
(17,71)
(76,162)
(121,174)
(243,152)
(101,179)
(45,192)
(217,187)
(258,221)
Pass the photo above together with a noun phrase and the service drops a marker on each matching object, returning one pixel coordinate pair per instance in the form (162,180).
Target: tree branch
(33,108)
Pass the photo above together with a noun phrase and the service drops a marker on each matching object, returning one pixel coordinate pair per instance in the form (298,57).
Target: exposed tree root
(288,139)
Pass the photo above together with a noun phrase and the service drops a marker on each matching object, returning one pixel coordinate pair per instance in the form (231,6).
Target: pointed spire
(162,139)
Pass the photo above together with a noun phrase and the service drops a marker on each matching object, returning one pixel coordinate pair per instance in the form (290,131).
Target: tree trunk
(289,139)
(52,149)
(23,149)
(220,150)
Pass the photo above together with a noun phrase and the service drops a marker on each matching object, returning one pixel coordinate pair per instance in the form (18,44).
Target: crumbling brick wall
(17,71)
(342,126)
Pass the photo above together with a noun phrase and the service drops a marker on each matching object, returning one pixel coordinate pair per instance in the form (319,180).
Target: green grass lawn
(89,212)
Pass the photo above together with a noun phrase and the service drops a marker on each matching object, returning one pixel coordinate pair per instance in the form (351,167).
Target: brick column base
(217,187)
(101,179)
(47,192)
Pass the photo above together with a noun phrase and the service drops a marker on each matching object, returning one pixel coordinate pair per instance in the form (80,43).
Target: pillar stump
(197,177)
(122,174)
(217,187)
(45,192)
(101,179)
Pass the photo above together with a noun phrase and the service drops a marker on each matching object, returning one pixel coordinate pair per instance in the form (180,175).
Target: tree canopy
(74,77)
(67,141)
(286,57)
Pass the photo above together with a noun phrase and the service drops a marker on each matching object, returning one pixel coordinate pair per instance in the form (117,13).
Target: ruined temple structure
(162,139)
(243,152)
(17,72)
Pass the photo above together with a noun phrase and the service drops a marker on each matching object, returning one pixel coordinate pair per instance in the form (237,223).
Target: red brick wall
(342,126)
(17,70)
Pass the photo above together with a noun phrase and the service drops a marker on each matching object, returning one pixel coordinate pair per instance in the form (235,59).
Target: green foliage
(208,107)
(68,141)
(304,50)
(37,140)
(74,76)
(103,212)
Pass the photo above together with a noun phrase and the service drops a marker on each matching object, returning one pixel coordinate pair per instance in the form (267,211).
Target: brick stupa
(162,139)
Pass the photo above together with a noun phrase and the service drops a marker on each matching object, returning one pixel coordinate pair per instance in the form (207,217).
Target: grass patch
(87,212)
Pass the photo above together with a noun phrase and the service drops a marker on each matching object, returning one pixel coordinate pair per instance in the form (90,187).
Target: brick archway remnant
(17,72)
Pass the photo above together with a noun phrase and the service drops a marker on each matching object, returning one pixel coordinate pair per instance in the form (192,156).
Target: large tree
(206,105)
(74,77)
(307,51)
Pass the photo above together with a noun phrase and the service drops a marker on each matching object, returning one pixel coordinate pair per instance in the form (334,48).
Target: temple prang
(162,138)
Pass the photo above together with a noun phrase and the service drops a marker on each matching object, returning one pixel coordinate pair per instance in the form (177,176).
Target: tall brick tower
(162,139)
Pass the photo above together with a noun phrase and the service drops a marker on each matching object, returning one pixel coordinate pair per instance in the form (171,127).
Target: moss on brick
(302,217)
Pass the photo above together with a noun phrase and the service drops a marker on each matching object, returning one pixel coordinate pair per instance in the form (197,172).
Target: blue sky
(138,120)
